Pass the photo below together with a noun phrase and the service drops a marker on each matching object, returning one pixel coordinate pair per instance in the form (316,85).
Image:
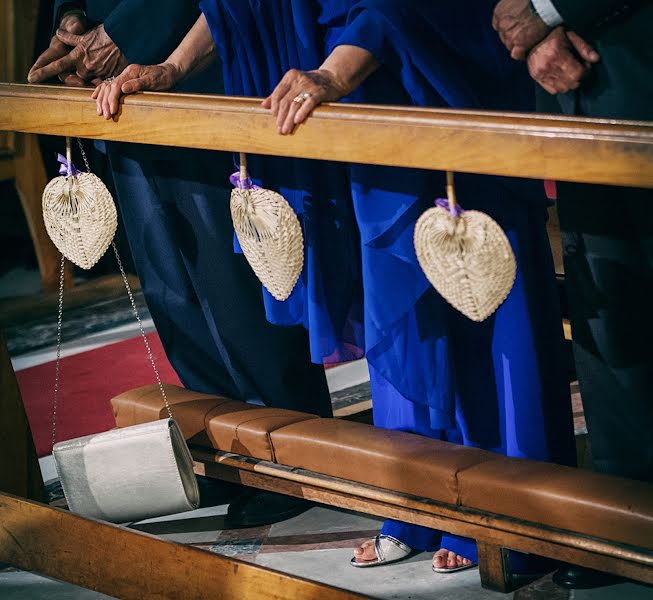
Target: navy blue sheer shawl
(499,384)
(507,370)
(258,41)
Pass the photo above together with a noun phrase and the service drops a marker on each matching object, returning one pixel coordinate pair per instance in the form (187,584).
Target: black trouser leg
(608,251)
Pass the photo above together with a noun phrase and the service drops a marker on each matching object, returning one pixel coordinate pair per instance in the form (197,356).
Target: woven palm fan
(269,233)
(466,256)
(79,213)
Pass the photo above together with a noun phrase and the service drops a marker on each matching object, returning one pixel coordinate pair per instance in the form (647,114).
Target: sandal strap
(389,548)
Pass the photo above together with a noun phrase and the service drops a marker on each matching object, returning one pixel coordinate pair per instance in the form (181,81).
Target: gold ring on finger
(301,98)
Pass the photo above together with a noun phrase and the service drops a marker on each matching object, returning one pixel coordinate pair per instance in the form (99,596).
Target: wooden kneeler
(133,565)
(493,533)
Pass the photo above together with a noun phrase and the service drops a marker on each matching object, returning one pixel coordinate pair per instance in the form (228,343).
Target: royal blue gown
(500,384)
(258,41)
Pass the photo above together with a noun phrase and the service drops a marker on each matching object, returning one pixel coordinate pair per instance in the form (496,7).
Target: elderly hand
(74,23)
(135,78)
(518,26)
(561,61)
(93,57)
(299,92)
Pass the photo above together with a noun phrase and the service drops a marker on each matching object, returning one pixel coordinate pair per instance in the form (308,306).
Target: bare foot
(366,552)
(444,559)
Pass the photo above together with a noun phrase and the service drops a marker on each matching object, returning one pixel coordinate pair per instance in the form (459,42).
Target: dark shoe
(256,507)
(572,577)
(214,492)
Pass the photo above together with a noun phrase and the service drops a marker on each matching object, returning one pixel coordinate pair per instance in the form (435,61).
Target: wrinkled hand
(135,78)
(320,85)
(561,61)
(74,24)
(93,57)
(518,27)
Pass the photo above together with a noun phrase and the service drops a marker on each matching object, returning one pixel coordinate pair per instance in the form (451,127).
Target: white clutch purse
(127,474)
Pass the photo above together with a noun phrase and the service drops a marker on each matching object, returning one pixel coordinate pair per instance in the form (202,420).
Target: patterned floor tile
(317,541)
(237,548)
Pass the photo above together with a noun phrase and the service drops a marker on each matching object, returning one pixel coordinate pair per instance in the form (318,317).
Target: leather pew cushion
(189,409)
(246,429)
(602,506)
(388,459)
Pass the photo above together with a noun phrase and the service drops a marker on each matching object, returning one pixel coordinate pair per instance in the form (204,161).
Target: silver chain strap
(60,321)
(57,369)
(81,150)
(140,326)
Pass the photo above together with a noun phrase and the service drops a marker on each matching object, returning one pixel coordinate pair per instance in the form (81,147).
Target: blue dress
(500,384)
(258,41)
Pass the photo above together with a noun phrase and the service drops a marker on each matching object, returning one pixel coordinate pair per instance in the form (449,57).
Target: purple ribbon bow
(67,168)
(246,184)
(455,211)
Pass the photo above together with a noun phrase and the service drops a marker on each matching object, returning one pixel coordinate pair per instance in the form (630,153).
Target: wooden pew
(586,518)
(532,146)
(129,564)
(494,533)
(106,558)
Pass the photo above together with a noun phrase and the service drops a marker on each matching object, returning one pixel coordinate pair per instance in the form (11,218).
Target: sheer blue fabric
(258,41)
(498,385)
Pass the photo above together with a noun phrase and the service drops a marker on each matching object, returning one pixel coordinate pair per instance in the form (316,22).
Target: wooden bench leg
(494,566)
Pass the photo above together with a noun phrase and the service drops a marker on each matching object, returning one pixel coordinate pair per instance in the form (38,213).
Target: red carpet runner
(88,382)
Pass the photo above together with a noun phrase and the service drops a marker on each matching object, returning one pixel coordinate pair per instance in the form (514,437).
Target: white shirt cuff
(547,12)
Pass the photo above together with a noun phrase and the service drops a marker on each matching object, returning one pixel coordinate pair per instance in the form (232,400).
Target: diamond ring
(301,98)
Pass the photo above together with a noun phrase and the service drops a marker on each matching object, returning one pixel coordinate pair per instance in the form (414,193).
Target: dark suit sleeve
(582,15)
(147,31)
(61,5)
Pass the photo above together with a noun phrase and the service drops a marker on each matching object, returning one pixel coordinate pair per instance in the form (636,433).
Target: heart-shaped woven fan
(80,216)
(269,233)
(467,258)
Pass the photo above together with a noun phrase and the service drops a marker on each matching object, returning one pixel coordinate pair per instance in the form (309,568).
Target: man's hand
(518,27)
(93,57)
(561,61)
(73,23)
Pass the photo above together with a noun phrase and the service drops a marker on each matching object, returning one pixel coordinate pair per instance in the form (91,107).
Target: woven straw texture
(467,259)
(80,217)
(271,238)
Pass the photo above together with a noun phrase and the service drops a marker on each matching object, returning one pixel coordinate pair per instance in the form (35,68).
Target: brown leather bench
(569,514)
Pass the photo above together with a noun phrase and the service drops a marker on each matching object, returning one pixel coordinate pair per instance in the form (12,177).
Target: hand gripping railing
(523,145)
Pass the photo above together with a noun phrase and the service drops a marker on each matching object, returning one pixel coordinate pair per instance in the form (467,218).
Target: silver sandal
(456,569)
(388,550)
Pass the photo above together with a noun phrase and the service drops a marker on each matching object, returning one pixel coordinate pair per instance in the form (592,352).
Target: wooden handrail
(513,144)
